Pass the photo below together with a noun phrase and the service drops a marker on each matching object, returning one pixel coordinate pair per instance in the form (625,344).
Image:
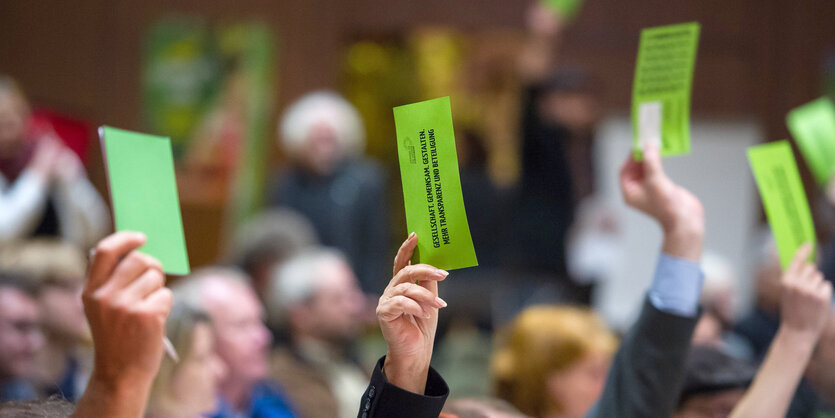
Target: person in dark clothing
(558,117)
(329,182)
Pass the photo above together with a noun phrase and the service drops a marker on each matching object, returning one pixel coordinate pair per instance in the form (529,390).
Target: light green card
(568,9)
(661,90)
(431,186)
(813,127)
(783,197)
(143,190)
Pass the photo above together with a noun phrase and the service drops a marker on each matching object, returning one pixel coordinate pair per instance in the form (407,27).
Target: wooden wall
(757,58)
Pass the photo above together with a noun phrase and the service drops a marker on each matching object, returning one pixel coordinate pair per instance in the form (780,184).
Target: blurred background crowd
(280,117)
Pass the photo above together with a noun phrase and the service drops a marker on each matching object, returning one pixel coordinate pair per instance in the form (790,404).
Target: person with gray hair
(329,181)
(315,295)
(240,339)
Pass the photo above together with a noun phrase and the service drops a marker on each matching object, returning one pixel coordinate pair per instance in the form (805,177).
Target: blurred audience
(187,388)
(719,307)
(57,268)
(330,182)
(714,383)
(267,240)
(20,337)
(481,408)
(316,296)
(44,189)
(760,325)
(553,361)
(559,113)
(241,340)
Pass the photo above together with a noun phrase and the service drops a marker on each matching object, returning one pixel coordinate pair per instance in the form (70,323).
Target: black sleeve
(648,370)
(383,399)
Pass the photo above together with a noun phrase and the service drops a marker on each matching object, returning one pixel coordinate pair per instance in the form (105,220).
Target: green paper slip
(431,186)
(661,90)
(143,190)
(568,9)
(783,197)
(813,127)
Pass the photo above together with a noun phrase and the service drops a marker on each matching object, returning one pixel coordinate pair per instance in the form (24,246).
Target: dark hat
(709,370)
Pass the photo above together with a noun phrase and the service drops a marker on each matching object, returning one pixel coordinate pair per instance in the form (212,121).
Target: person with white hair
(329,181)
(316,296)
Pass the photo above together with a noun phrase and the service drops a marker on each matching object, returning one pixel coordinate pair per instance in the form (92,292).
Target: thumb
(652,162)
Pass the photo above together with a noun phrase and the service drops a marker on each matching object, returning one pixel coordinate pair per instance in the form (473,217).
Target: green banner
(661,90)
(813,127)
(143,190)
(431,185)
(783,197)
(568,9)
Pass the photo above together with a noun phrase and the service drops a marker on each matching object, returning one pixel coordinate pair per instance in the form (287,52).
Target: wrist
(803,340)
(684,241)
(407,375)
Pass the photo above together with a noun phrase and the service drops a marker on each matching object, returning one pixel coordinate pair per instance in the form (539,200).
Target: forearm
(105,399)
(773,388)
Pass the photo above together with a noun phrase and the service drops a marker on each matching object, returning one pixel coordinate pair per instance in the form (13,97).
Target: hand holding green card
(813,128)
(661,90)
(431,185)
(781,189)
(143,190)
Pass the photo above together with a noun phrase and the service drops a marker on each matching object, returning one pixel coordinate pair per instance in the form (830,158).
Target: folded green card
(143,190)
(783,197)
(813,127)
(661,90)
(431,186)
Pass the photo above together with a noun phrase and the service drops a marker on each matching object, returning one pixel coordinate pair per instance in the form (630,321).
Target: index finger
(798,261)
(108,253)
(404,254)
(418,273)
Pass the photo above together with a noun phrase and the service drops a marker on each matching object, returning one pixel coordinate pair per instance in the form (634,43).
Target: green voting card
(781,189)
(143,190)
(431,186)
(661,90)
(813,127)
(568,9)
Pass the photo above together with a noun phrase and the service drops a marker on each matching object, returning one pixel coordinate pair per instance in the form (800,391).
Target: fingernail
(412,235)
(141,236)
(441,302)
(443,273)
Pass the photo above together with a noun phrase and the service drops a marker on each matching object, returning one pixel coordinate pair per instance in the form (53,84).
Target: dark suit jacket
(383,399)
(644,381)
(648,370)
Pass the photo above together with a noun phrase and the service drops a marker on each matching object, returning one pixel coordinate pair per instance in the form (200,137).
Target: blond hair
(543,340)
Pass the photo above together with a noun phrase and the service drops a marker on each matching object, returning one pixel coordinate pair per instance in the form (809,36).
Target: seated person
(44,190)
(241,340)
(57,268)
(648,368)
(267,240)
(553,361)
(317,298)
(20,337)
(187,388)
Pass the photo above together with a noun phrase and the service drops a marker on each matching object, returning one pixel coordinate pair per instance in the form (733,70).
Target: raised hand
(806,297)
(126,305)
(408,317)
(646,187)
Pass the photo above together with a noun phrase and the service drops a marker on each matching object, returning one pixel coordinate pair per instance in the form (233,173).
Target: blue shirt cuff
(677,286)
